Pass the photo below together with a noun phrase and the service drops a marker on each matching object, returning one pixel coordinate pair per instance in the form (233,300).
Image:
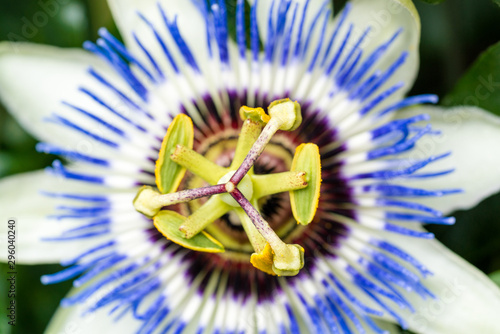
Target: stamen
(287,259)
(198,164)
(270,184)
(248,136)
(213,209)
(285,115)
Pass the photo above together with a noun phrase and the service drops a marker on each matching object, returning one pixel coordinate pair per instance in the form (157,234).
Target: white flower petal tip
(136,19)
(384,17)
(76,319)
(467,300)
(50,75)
(471,135)
(33,212)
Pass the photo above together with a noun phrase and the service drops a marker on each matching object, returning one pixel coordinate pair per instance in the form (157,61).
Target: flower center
(235,189)
(245,186)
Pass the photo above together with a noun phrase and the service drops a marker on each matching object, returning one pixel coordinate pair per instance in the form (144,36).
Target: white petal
(190,21)
(21,200)
(70,320)
(35,79)
(468,301)
(385,17)
(472,135)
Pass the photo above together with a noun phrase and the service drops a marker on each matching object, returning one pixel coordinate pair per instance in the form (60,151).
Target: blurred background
(454,34)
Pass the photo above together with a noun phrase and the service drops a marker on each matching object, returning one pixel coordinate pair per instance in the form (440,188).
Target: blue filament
(161,43)
(64,121)
(342,19)
(181,43)
(298,43)
(59,169)
(113,42)
(329,316)
(240,28)
(73,155)
(320,42)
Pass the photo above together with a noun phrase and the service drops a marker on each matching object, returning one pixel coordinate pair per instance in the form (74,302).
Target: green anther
(290,262)
(250,131)
(146,201)
(270,184)
(245,186)
(287,259)
(287,113)
(213,209)
(304,202)
(284,115)
(168,222)
(198,164)
(169,174)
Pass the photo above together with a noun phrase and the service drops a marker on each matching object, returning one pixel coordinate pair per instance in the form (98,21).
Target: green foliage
(476,235)
(35,302)
(231,14)
(480,86)
(433,2)
(495,277)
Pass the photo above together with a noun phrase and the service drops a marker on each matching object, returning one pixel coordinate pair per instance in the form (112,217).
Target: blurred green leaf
(480,86)
(4,325)
(231,14)
(497,2)
(433,2)
(495,277)
(476,235)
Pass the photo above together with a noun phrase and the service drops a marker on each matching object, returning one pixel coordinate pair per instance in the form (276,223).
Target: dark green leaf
(495,277)
(433,2)
(480,86)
